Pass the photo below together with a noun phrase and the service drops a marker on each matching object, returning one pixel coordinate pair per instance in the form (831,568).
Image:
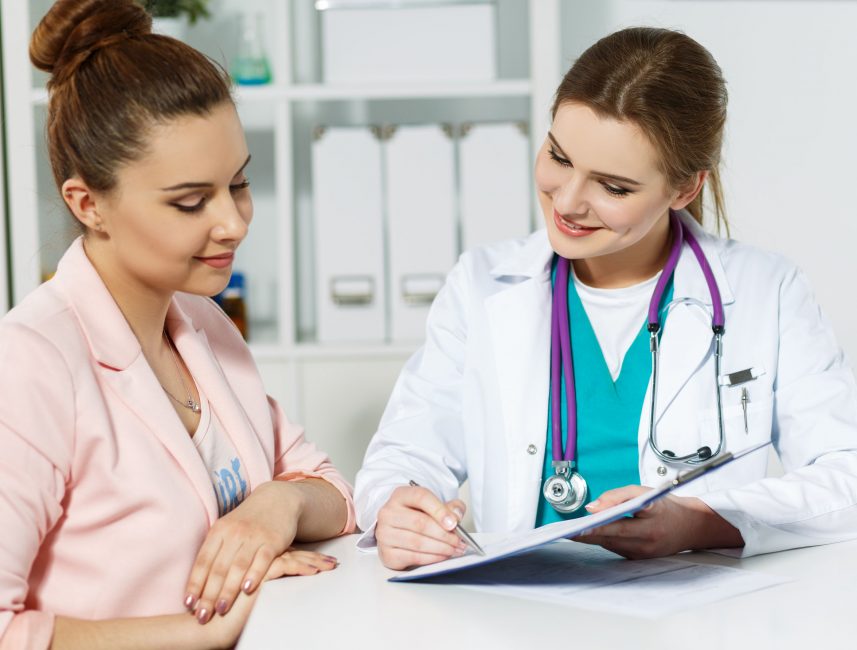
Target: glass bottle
(232,301)
(250,66)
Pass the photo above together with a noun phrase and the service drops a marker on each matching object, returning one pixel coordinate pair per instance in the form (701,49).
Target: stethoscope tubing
(561,356)
(563,350)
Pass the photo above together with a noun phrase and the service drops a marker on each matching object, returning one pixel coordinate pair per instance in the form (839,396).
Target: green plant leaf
(193,9)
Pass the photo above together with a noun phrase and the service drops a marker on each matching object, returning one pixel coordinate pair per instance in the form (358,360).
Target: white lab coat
(472,403)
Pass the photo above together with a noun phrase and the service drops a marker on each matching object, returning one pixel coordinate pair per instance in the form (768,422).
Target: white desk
(354,606)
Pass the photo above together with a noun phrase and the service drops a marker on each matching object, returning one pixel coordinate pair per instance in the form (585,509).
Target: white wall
(791,150)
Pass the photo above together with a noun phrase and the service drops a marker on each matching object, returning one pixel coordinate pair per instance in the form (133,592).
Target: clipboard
(526,541)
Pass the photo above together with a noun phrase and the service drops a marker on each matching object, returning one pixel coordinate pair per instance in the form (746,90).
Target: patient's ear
(83,203)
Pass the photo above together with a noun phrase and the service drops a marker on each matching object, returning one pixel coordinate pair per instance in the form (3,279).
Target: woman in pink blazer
(149,485)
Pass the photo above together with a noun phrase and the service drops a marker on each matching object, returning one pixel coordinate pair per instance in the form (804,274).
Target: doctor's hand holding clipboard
(621,346)
(664,527)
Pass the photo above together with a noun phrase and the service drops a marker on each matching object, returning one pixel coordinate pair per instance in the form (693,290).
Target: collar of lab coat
(533,260)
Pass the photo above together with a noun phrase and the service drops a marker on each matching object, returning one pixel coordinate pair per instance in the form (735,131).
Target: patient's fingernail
(220,607)
(449,523)
(190,601)
(202,616)
(248,584)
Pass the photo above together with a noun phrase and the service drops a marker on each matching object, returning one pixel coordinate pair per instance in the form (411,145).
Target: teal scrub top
(608,412)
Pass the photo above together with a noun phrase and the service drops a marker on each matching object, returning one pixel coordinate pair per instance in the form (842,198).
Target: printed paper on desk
(522,542)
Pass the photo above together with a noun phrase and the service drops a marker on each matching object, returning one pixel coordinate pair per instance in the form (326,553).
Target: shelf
(322,92)
(260,93)
(248,94)
(315,351)
(325,5)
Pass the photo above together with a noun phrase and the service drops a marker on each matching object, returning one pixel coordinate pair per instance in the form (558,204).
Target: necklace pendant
(193,405)
(566,490)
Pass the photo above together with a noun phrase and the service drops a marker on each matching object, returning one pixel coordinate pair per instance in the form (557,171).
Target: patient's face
(177,215)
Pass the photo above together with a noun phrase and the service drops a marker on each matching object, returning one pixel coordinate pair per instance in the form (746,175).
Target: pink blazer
(104,500)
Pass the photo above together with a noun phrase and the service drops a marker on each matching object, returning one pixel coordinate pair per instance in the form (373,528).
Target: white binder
(495,183)
(346,172)
(420,189)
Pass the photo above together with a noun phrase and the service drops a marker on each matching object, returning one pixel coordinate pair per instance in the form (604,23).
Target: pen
(463,534)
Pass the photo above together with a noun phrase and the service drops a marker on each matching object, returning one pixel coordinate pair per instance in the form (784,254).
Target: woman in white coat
(636,136)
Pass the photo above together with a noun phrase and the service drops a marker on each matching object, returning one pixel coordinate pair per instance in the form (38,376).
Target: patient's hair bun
(73,29)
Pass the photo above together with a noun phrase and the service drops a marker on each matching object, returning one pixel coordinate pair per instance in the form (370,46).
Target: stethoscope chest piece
(566,490)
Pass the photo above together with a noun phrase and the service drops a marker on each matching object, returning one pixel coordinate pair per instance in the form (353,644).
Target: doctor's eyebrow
(202,185)
(612,177)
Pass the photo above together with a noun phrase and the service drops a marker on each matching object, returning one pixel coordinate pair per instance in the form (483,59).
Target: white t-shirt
(616,316)
(220,458)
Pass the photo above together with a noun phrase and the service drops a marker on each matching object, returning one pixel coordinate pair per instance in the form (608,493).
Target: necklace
(190,403)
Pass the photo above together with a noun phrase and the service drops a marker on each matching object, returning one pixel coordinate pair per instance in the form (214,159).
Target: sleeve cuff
(719,503)
(367,542)
(29,629)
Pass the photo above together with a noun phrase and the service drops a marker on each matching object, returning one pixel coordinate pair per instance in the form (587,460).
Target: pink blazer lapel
(123,369)
(138,389)
(194,348)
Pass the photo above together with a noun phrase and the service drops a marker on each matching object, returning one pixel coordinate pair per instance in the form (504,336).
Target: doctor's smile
(572,228)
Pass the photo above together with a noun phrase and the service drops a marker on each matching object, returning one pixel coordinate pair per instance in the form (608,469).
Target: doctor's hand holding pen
(665,527)
(415,527)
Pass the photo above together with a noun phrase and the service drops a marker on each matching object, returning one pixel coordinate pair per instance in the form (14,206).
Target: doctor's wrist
(710,530)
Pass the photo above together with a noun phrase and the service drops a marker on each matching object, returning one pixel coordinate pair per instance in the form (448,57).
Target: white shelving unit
(278,119)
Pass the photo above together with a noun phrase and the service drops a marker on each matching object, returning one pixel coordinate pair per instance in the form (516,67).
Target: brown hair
(112,80)
(671,87)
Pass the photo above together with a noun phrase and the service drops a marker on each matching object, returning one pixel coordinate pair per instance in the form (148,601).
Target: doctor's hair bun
(73,30)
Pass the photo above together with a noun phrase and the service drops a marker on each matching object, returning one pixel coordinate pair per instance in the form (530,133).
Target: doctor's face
(177,215)
(599,185)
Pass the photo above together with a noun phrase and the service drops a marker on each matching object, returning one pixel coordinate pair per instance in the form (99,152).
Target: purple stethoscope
(566,490)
